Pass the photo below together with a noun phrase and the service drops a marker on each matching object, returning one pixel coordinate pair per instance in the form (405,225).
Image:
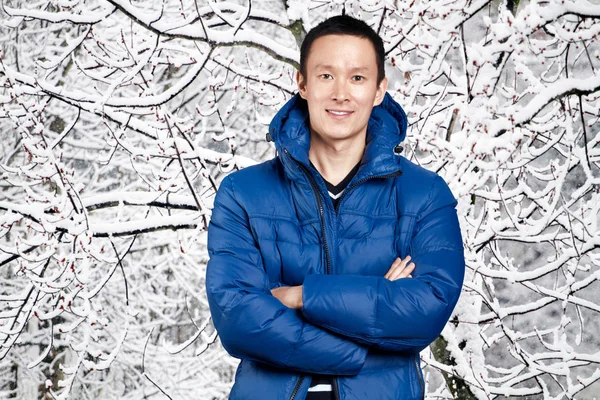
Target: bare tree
(119,118)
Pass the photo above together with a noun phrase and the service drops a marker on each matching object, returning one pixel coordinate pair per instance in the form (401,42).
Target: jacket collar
(386,129)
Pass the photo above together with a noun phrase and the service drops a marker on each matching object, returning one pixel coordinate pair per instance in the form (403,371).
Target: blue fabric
(266,231)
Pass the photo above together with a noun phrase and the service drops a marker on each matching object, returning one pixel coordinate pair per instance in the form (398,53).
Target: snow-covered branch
(119,119)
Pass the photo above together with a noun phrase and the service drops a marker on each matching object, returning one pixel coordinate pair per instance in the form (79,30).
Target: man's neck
(335,160)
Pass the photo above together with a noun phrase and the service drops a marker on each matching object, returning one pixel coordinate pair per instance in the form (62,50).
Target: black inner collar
(334,190)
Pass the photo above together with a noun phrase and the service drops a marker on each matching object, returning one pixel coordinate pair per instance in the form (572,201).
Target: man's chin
(337,137)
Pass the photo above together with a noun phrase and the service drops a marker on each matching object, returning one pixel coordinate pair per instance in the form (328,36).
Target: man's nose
(340,90)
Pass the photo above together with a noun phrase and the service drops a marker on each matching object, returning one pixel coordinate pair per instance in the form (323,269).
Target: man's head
(344,25)
(341,79)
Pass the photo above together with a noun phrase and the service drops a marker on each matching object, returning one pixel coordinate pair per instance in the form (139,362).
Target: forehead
(342,50)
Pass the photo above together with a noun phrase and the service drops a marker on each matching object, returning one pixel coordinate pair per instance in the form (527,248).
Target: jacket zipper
(320,205)
(421,383)
(336,389)
(297,387)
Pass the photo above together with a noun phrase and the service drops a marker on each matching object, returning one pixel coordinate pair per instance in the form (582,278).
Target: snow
(60,16)
(119,119)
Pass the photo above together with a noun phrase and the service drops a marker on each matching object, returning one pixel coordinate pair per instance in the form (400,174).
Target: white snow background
(119,118)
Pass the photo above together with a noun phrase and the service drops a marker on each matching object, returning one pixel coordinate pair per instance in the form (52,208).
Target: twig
(144,373)
(464,46)
(382,18)
(245,19)
(120,262)
(187,179)
(585,137)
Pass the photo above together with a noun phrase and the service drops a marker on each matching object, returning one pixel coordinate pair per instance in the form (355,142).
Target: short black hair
(344,25)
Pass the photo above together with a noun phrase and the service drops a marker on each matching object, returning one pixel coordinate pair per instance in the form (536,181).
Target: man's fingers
(395,264)
(402,271)
(405,273)
(275,292)
(398,264)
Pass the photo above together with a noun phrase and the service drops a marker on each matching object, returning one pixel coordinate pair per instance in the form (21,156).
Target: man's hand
(290,296)
(400,269)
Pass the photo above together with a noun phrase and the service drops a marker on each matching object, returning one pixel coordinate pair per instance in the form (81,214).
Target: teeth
(339,112)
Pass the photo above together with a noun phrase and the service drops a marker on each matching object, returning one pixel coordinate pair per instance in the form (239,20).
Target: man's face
(341,87)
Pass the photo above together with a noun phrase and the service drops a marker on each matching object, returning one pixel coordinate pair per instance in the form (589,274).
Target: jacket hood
(386,129)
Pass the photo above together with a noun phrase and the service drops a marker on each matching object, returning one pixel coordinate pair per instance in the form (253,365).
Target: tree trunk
(457,386)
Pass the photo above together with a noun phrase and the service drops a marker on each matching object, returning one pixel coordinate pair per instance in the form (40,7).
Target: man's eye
(326,76)
(358,78)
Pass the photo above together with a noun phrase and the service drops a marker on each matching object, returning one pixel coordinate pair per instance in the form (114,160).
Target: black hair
(344,25)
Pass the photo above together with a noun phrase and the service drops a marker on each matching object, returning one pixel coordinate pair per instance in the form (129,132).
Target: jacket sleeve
(251,322)
(405,314)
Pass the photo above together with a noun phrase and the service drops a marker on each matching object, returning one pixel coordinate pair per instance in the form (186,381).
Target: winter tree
(119,118)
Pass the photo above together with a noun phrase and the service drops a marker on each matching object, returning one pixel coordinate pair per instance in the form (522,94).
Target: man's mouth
(339,113)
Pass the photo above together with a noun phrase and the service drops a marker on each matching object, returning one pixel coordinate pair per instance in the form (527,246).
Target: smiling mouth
(339,113)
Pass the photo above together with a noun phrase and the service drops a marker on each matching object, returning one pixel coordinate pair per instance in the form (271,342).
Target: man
(307,250)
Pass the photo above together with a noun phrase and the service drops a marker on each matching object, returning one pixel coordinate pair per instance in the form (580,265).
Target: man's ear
(301,84)
(381,90)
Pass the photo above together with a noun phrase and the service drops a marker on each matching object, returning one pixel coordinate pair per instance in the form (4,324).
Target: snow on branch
(90,17)
(234,37)
(555,91)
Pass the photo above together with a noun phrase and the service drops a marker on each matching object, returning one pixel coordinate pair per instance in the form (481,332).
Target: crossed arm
(291,296)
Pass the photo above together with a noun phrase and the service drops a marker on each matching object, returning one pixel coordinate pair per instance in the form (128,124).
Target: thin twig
(464,46)
(120,262)
(187,179)
(144,373)
(585,137)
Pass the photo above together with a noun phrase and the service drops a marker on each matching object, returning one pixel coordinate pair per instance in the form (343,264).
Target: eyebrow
(327,66)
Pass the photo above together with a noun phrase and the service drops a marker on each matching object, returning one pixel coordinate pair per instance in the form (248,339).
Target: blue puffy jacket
(274,224)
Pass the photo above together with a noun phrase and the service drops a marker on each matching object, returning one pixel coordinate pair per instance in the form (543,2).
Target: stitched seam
(288,242)
(283,218)
(429,198)
(442,248)
(365,237)
(371,216)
